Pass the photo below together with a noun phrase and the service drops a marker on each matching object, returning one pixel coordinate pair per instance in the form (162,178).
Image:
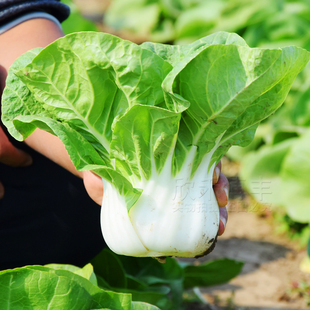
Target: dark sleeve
(11,9)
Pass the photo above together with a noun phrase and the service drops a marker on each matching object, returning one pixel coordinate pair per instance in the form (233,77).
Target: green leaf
(150,271)
(198,21)
(300,112)
(38,287)
(247,88)
(147,280)
(144,152)
(260,172)
(109,267)
(211,273)
(179,55)
(102,283)
(135,305)
(70,85)
(278,174)
(136,16)
(154,274)
(239,14)
(76,22)
(268,97)
(86,272)
(17,92)
(295,178)
(158,296)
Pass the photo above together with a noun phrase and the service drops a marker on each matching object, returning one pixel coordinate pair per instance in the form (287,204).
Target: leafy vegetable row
(281,22)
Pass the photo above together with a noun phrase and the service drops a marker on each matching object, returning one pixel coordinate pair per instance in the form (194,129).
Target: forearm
(51,147)
(16,41)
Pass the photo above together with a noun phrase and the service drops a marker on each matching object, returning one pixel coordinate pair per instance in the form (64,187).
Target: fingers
(216,173)
(223,220)
(221,191)
(93,185)
(10,155)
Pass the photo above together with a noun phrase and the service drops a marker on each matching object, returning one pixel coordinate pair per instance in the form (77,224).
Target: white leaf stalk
(174,216)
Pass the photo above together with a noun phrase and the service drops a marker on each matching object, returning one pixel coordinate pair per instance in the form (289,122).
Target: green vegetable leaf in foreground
(58,287)
(152,121)
(144,283)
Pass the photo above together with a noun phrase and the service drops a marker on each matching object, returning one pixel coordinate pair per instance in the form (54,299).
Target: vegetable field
(151,93)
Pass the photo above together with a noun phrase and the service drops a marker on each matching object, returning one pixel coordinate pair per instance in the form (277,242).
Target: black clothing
(11,9)
(46,216)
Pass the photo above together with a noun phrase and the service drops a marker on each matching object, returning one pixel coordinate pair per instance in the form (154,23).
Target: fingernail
(226,192)
(217,172)
(223,220)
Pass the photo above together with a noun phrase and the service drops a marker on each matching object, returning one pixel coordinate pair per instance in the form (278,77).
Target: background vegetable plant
(282,22)
(76,21)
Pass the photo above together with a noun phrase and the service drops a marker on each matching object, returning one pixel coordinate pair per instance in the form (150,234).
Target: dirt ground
(271,261)
(271,266)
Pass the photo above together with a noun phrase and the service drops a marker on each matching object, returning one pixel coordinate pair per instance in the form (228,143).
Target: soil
(271,266)
(271,261)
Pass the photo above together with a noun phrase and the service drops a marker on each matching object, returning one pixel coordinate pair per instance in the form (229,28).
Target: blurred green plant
(283,22)
(76,22)
(300,290)
(296,231)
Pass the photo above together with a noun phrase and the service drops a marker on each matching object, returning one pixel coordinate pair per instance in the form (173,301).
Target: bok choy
(152,120)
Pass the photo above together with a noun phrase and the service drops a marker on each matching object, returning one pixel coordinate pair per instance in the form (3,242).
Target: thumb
(93,185)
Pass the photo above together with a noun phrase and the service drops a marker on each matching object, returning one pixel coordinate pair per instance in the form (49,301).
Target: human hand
(221,189)
(11,156)
(93,185)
